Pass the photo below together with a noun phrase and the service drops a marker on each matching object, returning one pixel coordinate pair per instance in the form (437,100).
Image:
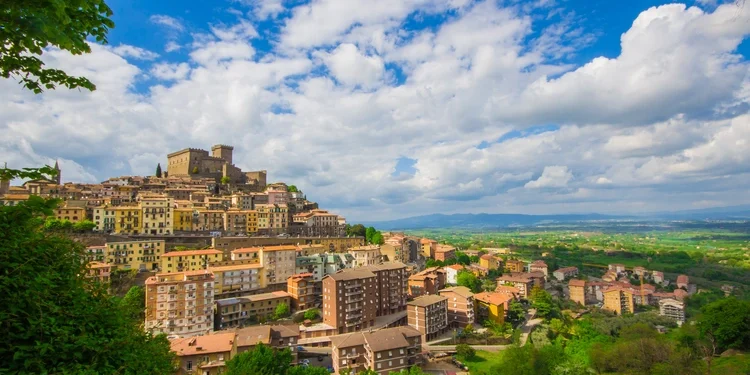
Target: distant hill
(483,220)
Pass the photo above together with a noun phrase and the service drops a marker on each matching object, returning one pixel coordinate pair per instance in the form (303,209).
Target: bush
(312,314)
(465,352)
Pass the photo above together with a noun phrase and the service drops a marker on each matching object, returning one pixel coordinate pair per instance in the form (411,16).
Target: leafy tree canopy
(282,311)
(469,280)
(55,319)
(292,189)
(28,27)
(158,170)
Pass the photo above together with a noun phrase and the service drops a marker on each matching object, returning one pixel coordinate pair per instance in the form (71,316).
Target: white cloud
(267,8)
(170,72)
(633,142)
(170,22)
(351,67)
(555,176)
(172,46)
(138,53)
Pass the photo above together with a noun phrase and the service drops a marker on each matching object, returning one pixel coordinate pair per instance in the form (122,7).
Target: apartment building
(349,300)
(183,220)
(491,306)
(312,264)
(206,355)
(391,284)
(279,262)
(428,315)
(429,281)
(383,351)
(522,281)
(104,218)
(365,255)
(209,220)
(672,308)
(96,253)
(127,220)
(189,260)
(577,291)
(539,266)
(246,254)
(272,217)
(460,306)
(451,273)
(73,211)
(135,255)
(235,221)
(513,265)
(238,311)
(158,214)
(428,247)
(565,273)
(180,303)
(445,252)
(490,262)
(252,221)
(242,201)
(100,271)
(236,278)
(619,300)
(303,290)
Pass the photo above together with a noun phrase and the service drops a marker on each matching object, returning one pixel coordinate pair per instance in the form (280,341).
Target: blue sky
(395,108)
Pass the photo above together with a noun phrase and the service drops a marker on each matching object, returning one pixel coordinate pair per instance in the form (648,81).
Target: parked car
(300,348)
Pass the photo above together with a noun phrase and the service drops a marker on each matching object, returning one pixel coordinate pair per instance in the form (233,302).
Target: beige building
(365,255)
(104,218)
(158,214)
(383,351)
(460,306)
(273,218)
(347,297)
(180,303)
(100,271)
(189,260)
(672,308)
(619,300)
(513,265)
(135,255)
(301,288)
(577,291)
(236,278)
(429,315)
(197,163)
(205,355)
(279,263)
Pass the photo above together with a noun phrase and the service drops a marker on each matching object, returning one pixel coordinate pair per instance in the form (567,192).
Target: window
(390,363)
(189,365)
(378,355)
(380,365)
(402,361)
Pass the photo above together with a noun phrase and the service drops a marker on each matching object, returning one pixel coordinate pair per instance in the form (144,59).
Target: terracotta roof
(682,279)
(456,267)
(245,250)
(576,282)
(15,196)
(427,300)
(234,267)
(567,269)
(384,266)
(507,289)
(493,298)
(539,263)
(486,257)
(267,296)
(460,290)
(351,274)
(213,343)
(191,252)
(254,335)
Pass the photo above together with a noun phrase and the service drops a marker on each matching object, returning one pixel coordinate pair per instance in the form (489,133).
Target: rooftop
(201,345)
(185,253)
(427,300)
(254,335)
(460,290)
(493,298)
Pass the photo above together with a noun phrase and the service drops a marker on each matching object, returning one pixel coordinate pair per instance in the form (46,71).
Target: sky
(394,108)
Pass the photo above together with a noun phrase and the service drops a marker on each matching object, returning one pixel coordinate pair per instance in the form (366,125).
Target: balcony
(355,285)
(353,293)
(355,299)
(353,308)
(353,316)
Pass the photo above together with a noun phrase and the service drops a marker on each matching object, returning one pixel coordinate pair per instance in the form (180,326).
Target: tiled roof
(493,298)
(576,282)
(213,343)
(460,290)
(427,300)
(254,335)
(192,252)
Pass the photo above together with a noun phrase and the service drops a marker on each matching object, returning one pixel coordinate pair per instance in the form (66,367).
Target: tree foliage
(369,233)
(45,172)
(377,238)
(465,352)
(225,180)
(312,314)
(55,319)
(469,280)
(28,27)
(413,370)
(542,301)
(134,304)
(292,189)
(282,311)
(357,230)
(158,170)
(727,321)
(516,312)
(262,360)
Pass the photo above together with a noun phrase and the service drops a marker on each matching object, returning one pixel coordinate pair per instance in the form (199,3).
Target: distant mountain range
(483,220)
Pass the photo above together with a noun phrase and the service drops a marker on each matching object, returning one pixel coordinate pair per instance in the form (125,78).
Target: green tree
(195,170)
(357,230)
(727,322)
(463,259)
(134,304)
(158,170)
(28,27)
(542,301)
(369,233)
(55,319)
(465,352)
(45,172)
(262,360)
(516,312)
(413,370)
(377,238)
(469,280)
(282,311)
(312,314)
(292,189)
(225,180)
(84,226)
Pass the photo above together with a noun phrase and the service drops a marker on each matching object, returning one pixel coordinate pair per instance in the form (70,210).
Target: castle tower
(222,151)
(59,173)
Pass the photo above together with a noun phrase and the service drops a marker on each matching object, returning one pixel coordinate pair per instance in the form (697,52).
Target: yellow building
(104,218)
(491,305)
(489,262)
(252,221)
(127,219)
(157,213)
(183,220)
(513,265)
(618,300)
(428,247)
(577,291)
(71,211)
(189,260)
(135,255)
(236,278)
(273,216)
(235,221)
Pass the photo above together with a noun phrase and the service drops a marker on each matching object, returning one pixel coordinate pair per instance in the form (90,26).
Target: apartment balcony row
(354,285)
(353,308)
(353,293)
(355,299)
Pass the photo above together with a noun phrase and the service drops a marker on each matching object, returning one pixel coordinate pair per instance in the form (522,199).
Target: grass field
(483,361)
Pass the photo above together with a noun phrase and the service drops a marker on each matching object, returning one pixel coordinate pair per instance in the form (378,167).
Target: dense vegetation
(57,320)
